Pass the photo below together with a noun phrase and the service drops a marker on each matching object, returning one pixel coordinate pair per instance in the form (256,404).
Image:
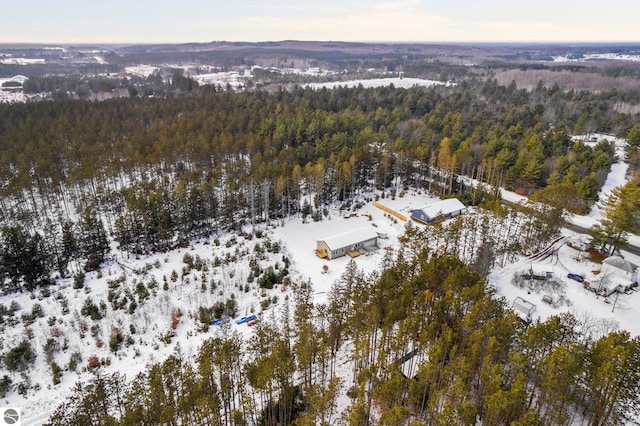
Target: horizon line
(449,42)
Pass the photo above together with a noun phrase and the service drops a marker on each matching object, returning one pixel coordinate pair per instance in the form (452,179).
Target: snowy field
(11,96)
(598,57)
(404,83)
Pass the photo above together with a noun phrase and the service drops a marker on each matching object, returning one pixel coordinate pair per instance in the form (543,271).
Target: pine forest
(424,339)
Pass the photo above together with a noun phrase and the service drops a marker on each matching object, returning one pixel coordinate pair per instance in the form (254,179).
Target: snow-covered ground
(12,96)
(404,83)
(234,78)
(152,318)
(616,177)
(582,302)
(141,70)
(598,57)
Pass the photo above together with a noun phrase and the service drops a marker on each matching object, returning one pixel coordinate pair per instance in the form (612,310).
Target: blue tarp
(246,319)
(221,321)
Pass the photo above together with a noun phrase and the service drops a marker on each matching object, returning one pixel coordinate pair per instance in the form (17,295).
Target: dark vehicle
(576,277)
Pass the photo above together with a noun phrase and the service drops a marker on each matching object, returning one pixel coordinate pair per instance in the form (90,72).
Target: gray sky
(178,21)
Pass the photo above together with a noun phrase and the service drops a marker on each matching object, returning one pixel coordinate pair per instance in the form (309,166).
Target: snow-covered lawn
(404,83)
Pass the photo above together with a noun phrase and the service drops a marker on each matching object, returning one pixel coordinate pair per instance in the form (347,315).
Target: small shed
(582,242)
(523,307)
(443,209)
(352,243)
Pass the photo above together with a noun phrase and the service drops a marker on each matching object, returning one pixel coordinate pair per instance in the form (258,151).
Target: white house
(618,275)
(446,209)
(608,288)
(622,268)
(351,243)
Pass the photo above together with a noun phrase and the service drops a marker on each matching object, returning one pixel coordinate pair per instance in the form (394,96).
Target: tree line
(425,341)
(157,170)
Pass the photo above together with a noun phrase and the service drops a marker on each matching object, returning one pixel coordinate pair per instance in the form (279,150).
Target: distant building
(443,209)
(351,243)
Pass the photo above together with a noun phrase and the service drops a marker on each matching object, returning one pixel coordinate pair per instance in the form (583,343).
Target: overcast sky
(178,21)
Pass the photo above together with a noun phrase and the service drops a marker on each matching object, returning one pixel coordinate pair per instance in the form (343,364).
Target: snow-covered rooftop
(620,263)
(349,238)
(442,207)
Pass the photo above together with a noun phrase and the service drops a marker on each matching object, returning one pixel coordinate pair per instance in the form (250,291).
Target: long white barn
(347,242)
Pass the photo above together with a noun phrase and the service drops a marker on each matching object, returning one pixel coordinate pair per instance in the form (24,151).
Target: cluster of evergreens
(424,342)
(158,170)
(30,258)
(151,172)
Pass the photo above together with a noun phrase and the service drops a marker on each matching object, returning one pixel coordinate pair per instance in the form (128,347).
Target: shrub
(78,280)
(93,362)
(75,358)
(19,357)
(90,309)
(230,307)
(175,318)
(198,264)
(268,279)
(50,348)
(55,332)
(5,385)
(116,339)
(207,315)
(36,312)
(57,373)
(188,260)
(142,292)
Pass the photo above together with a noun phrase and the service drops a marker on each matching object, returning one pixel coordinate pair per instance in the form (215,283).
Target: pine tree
(25,258)
(621,217)
(93,243)
(612,379)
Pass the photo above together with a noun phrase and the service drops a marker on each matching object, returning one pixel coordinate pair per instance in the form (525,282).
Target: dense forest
(154,171)
(427,343)
(150,173)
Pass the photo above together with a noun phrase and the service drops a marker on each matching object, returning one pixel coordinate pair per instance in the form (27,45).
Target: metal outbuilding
(350,243)
(445,209)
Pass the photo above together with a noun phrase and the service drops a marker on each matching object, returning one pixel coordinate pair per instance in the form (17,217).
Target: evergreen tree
(92,241)
(25,258)
(621,217)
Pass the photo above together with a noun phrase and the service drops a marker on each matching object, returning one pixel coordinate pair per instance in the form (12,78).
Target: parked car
(576,277)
